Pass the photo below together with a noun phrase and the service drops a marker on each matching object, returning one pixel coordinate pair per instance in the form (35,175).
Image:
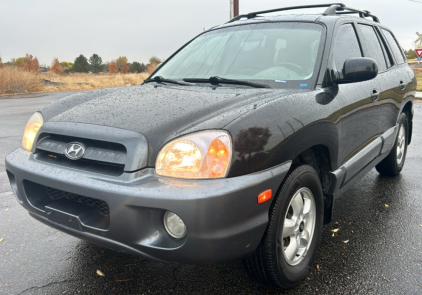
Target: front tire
(288,248)
(394,162)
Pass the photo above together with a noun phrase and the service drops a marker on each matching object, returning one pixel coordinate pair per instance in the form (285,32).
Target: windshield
(281,55)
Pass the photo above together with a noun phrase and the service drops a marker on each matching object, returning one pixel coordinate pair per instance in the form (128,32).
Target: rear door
(391,80)
(359,123)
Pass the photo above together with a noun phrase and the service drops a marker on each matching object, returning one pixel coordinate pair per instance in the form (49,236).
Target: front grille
(56,195)
(101,157)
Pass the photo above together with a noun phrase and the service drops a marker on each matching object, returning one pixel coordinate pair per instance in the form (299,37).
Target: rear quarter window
(397,52)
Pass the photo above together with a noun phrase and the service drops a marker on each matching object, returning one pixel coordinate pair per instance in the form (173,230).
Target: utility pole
(234,8)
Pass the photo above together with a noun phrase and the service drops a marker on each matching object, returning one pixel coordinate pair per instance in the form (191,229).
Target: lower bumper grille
(56,195)
(62,206)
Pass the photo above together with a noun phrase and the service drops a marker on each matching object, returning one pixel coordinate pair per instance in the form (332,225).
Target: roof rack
(333,9)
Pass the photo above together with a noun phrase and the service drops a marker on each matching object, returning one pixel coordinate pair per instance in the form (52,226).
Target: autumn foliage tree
(31,63)
(112,68)
(56,67)
(124,68)
(122,60)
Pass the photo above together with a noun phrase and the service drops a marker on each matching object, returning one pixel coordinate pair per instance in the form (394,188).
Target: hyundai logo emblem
(74,150)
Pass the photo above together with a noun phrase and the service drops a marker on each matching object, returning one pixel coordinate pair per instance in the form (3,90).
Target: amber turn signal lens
(31,130)
(217,158)
(265,196)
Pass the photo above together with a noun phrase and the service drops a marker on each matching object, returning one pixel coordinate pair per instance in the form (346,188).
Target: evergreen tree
(137,67)
(96,63)
(81,64)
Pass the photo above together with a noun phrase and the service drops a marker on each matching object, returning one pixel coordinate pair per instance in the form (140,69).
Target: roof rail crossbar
(333,9)
(254,14)
(362,13)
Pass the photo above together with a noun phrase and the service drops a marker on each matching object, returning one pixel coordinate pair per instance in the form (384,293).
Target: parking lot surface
(376,250)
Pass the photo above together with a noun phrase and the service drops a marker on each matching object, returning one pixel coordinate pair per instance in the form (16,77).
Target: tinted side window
(373,46)
(387,53)
(346,45)
(398,54)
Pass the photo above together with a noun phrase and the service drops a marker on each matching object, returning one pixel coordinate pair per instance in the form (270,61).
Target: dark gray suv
(235,148)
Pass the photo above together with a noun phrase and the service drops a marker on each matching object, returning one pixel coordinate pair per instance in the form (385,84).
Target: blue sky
(143,28)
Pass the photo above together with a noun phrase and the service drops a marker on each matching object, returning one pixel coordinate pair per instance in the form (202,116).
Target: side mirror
(358,69)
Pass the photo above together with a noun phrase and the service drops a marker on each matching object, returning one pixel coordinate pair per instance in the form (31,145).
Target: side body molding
(356,167)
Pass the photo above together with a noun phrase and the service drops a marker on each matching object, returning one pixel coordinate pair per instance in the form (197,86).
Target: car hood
(159,110)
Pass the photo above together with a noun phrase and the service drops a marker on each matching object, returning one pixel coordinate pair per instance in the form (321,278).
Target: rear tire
(394,162)
(287,249)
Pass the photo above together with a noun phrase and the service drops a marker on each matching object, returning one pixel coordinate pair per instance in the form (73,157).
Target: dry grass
(13,80)
(418,73)
(82,81)
(419,79)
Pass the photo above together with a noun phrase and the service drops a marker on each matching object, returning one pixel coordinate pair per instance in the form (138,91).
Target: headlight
(205,154)
(31,130)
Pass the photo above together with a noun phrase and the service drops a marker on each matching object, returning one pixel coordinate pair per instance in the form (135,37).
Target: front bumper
(223,219)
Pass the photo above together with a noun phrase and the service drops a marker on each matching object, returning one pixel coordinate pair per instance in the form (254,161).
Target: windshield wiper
(217,80)
(160,79)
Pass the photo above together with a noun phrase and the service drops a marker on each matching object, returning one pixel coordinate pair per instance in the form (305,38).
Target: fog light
(174,225)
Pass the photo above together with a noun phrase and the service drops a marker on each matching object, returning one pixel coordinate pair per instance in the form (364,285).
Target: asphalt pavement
(377,249)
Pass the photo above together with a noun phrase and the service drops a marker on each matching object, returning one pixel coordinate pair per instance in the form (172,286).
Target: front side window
(346,45)
(281,55)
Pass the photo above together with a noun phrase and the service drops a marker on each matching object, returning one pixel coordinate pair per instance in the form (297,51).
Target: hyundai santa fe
(234,148)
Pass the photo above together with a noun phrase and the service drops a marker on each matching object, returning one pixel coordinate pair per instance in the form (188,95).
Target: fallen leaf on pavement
(100,273)
(346,241)
(386,205)
(318,268)
(7,209)
(336,222)
(1,240)
(335,230)
(124,280)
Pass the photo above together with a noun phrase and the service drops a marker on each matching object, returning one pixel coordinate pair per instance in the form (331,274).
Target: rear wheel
(290,242)
(394,162)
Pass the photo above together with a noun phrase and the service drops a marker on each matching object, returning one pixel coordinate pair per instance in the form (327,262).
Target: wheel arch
(318,157)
